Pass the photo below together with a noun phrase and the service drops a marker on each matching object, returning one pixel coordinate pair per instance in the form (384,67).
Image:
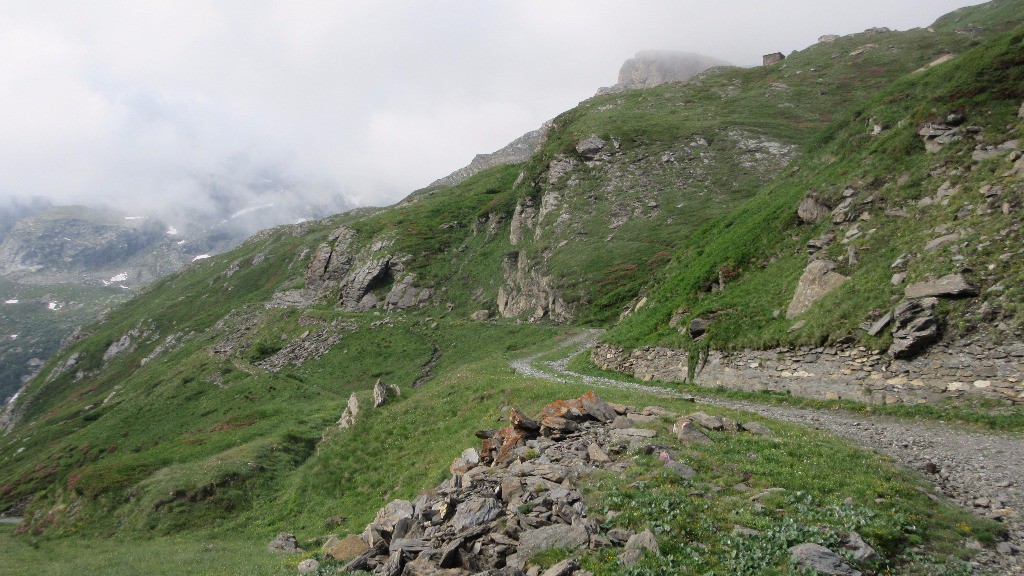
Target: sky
(138,105)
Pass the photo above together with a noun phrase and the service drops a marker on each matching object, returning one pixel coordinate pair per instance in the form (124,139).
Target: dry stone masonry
(962,370)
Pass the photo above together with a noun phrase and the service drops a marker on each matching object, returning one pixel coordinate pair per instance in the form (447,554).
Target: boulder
(308,566)
(858,548)
(562,416)
(644,541)
(686,431)
(390,515)
(480,315)
(590,147)
(348,417)
(707,421)
(555,536)
(811,210)
(817,280)
(476,511)
(821,559)
(949,286)
(1020,113)
(285,543)
(914,328)
(597,455)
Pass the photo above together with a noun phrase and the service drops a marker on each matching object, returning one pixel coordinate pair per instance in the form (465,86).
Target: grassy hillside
(681,155)
(205,410)
(760,248)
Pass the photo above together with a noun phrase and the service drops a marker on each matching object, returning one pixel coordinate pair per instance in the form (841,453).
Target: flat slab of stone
(949,286)
(549,537)
(632,433)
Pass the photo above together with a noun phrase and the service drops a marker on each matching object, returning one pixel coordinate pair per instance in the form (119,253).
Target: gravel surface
(980,471)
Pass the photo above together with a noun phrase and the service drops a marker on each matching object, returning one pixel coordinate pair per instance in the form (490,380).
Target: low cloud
(141,106)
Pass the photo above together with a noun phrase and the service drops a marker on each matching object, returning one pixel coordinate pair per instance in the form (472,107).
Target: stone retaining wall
(964,370)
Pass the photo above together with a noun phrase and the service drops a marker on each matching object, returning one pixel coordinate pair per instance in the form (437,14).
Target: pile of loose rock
(519,495)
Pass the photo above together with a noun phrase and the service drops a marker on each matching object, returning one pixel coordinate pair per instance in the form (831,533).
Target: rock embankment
(963,370)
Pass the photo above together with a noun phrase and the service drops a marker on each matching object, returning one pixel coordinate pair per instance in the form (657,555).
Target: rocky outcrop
(653,68)
(524,219)
(331,261)
(348,417)
(284,543)
(356,277)
(915,328)
(949,286)
(938,134)
(818,279)
(383,392)
(773,58)
(528,292)
(812,210)
(590,147)
(519,150)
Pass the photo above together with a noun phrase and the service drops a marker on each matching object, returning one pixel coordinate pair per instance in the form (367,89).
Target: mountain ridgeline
(861,198)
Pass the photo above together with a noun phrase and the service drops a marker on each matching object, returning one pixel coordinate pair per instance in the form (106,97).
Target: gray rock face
(950,286)
(391,514)
(914,328)
(811,210)
(528,292)
(590,147)
(816,282)
(331,261)
(653,68)
(822,559)
(476,511)
(1020,113)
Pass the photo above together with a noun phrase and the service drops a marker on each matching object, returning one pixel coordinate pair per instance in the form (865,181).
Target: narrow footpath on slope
(980,471)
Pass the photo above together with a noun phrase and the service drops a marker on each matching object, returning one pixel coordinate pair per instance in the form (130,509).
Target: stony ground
(981,471)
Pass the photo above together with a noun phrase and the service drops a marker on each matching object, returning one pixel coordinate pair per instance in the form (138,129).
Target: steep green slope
(210,402)
(760,249)
(595,226)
